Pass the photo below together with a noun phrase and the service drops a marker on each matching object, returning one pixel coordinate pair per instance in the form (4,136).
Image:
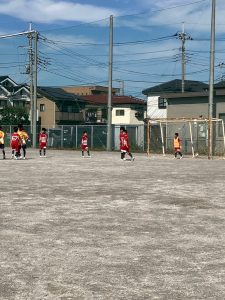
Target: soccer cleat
(133,158)
(24,157)
(181,157)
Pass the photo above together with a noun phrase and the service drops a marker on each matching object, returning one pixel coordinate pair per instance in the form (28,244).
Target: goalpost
(194,131)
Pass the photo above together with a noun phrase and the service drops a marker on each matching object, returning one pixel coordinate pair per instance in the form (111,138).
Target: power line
(162,9)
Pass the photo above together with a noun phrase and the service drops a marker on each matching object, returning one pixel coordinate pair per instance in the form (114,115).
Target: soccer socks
(131,156)
(122,155)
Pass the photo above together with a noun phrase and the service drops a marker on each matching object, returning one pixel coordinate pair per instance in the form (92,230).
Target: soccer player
(177,146)
(121,141)
(125,148)
(24,139)
(43,140)
(2,141)
(15,143)
(84,144)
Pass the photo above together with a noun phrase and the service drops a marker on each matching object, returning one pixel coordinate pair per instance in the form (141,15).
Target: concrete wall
(187,110)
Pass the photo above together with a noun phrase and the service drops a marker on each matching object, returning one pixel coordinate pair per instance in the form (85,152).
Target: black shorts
(2,146)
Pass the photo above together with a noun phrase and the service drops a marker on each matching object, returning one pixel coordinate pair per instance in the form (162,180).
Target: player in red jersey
(84,144)
(121,139)
(125,146)
(15,143)
(43,140)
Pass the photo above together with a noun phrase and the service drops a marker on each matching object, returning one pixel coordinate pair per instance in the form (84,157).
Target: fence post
(92,136)
(62,136)
(76,136)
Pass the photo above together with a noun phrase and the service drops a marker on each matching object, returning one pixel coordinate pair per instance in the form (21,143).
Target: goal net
(197,136)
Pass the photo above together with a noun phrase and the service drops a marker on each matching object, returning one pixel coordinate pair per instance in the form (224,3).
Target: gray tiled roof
(57,94)
(174,86)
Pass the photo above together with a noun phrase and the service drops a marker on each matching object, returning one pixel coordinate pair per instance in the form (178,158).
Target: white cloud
(171,13)
(48,11)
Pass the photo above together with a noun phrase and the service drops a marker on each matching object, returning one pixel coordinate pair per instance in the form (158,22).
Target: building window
(120,112)
(162,103)
(220,129)
(42,107)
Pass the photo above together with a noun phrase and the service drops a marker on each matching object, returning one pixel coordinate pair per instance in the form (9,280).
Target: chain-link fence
(67,136)
(194,136)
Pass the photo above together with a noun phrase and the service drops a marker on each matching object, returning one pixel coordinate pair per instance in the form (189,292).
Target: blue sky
(73,44)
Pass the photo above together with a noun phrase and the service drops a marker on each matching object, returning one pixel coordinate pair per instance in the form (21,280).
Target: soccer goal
(197,135)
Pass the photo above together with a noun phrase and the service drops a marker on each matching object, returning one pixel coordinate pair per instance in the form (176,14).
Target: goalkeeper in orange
(177,146)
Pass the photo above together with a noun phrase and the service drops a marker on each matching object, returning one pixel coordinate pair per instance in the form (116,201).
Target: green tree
(11,115)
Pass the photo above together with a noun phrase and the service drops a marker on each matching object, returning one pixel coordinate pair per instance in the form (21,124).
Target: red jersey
(15,141)
(84,142)
(43,139)
(121,138)
(124,143)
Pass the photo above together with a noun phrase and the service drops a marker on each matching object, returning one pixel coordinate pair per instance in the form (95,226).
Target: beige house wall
(78,90)
(220,109)
(87,90)
(47,116)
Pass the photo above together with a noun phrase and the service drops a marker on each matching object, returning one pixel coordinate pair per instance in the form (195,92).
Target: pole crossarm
(16,34)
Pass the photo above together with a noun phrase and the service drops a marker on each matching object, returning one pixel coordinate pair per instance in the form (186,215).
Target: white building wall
(125,119)
(153,111)
(128,118)
(133,119)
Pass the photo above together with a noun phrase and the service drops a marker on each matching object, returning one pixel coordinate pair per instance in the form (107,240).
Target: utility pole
(30,51)
(183,36)
(29,34)
(33,38)
(35,90)
(109,119)
(211,80)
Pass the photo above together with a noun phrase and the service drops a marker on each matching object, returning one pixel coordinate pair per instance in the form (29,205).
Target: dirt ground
(102,228)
